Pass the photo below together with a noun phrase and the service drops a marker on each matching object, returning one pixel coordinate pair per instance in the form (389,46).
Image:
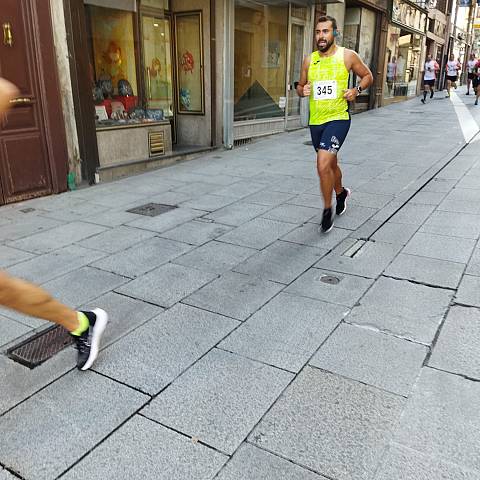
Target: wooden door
(33,155)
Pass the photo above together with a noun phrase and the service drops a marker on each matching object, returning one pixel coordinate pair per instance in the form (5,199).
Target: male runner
(452,68)
(429,76)
(86,328)
(324,78)
(471,64)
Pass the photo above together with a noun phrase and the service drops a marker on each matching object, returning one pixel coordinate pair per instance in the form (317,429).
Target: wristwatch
(359,89)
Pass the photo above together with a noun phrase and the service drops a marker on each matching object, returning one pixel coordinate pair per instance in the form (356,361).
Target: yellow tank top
(329,78)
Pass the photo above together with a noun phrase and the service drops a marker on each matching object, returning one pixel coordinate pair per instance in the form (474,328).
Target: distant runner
(471,65)
(429,77)
(452,68)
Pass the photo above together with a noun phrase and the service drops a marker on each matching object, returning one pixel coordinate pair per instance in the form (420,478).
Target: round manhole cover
(330,279)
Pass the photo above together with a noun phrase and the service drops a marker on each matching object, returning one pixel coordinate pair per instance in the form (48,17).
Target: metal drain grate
(27,210)
(40,347)
(152,209)
(242,141)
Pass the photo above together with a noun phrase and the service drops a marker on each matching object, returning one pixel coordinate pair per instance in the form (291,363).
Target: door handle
(7,35)
(21,101)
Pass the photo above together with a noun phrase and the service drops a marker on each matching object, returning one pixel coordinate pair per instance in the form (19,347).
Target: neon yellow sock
(83,324)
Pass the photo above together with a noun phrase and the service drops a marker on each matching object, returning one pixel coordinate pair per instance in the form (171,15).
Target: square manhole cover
(152,209)
(40,347)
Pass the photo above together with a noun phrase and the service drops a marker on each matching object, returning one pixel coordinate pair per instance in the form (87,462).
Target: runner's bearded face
(324,36)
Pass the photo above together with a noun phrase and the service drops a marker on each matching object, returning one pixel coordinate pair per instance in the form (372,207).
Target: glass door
(157,61)
(297,45)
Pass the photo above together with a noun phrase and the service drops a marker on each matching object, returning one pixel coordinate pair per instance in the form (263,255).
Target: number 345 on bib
(326,90)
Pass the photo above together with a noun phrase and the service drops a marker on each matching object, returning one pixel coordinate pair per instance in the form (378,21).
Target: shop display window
(127,89)
(402,63)
(261,36)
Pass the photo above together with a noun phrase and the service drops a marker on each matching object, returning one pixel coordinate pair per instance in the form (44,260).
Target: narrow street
(243,343)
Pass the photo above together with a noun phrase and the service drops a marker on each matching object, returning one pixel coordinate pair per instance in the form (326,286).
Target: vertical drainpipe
(228,69)
(213,72)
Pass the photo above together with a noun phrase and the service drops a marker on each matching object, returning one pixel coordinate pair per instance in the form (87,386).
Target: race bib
(326,90)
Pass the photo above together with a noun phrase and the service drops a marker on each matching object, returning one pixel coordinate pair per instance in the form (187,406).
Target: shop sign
(408,15)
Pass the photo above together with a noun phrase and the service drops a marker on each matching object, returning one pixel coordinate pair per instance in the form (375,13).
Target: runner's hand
(351,94)
(307,89)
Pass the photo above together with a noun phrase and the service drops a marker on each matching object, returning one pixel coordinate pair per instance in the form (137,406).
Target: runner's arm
(356,65)
(304,79)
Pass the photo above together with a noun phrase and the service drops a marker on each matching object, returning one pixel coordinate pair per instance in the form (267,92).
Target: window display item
(154,114)
(106,86)
(124,88)
(101,113)
(97,95)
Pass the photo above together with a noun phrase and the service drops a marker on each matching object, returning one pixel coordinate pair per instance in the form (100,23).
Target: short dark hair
(328,18)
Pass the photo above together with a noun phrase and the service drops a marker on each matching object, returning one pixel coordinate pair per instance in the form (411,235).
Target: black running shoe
(88,343)
(431,94)
(468,93)
(476,102)
(422,100)
(327,220)
(342,202)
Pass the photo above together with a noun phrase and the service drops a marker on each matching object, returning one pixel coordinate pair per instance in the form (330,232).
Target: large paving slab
(396,233)
(235,295)
(462,200)
(403,309)
(285,332)
(456,349)
(452,224)
(46,267)
(269,197)
(208,202)
(334,426)
(57,237)
(152,452)
(281,262)
(5,475)
(220,399)
(116,239)
(238,213)
(369,260)
(453,249)
(430,271)
(216,257)
(250,462)
(469,291)
(82,285)
(59,412)
(373,358)
(166,285)
(413,214)
(314,284)
(167,221)
(196,233)
(473,267)
(257,233)
(139,259)
(310,235)
(124,314)
(155,354)
(10,256)
(11,330)
(403,463)
(291,214)
(441,418)
(26,226)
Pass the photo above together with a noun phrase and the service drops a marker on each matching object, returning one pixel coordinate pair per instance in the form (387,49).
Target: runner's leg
(85,327)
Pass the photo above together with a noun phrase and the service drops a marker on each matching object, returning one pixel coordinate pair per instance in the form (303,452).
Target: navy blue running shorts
(330,136)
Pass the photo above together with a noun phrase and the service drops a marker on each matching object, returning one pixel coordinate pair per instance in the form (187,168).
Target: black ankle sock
(91,317)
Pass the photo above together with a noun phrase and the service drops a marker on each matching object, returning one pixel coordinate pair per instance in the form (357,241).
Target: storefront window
(128,89)
(402,63)
(261,34)
(158,65)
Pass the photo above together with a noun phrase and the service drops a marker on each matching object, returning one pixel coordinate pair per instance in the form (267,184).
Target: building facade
(113,87)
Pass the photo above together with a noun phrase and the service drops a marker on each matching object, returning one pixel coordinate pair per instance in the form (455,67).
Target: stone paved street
(244,344)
